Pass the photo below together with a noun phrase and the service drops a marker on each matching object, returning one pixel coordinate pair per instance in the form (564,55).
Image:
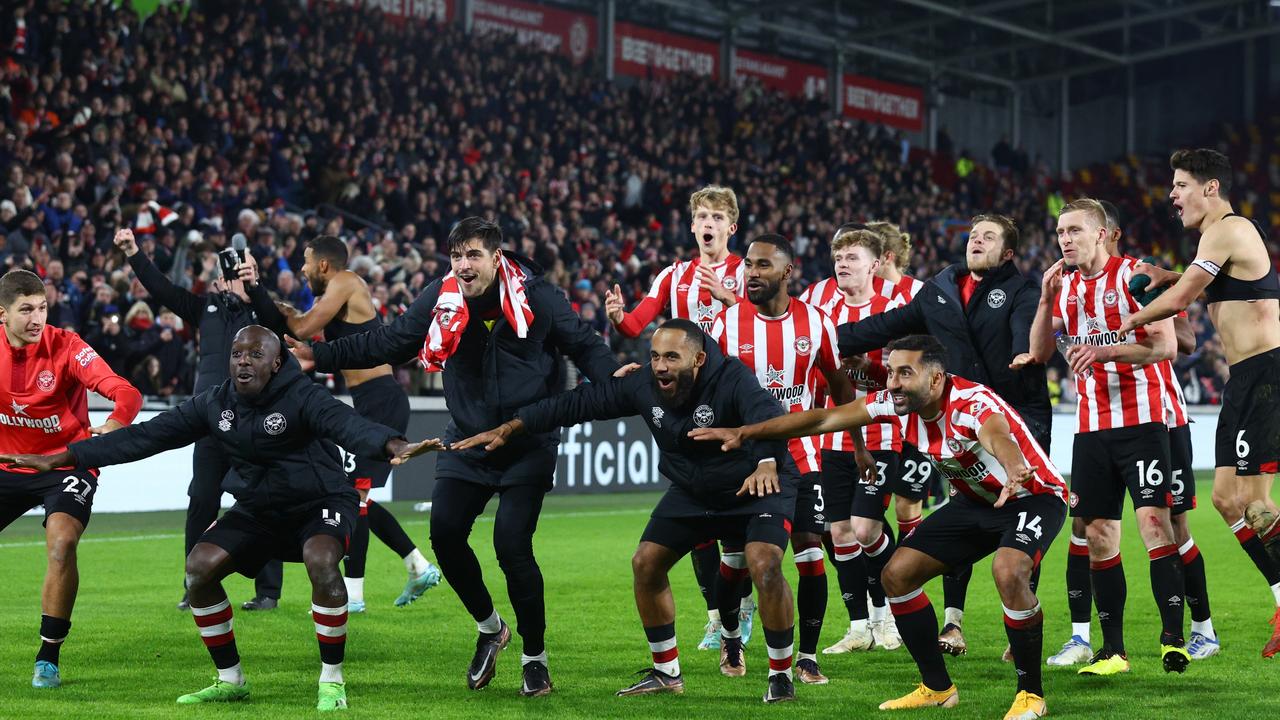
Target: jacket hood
(712,368)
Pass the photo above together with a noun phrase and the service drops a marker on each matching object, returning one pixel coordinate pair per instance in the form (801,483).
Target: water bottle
(1063,341)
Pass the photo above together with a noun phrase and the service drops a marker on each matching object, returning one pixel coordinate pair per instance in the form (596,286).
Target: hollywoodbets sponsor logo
(975,472)
(1109,337)
(50,425)
(787,395)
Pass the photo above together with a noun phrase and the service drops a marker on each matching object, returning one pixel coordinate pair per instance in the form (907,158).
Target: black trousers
(209,466)
(455,506)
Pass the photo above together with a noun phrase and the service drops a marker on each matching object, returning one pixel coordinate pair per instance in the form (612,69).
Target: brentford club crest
(274,424)
(954,445)
(995,298)
(703,416)
(731,283)
(45,380)
(1110,297)
(804,345)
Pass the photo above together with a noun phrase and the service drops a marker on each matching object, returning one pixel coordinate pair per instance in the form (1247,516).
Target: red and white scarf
(451,314)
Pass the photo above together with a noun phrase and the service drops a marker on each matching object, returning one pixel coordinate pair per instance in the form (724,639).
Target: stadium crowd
(262,119)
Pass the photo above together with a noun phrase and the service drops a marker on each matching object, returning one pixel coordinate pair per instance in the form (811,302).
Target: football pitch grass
(130,653)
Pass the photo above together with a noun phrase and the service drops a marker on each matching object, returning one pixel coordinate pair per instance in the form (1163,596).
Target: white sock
(330,673)
(952,616)
(1081,630)
(416,563)
(731,634)
(806,656)
(1275,590)
(857,626)
(540,657)
(879,612)
(490,625)
(231,675)
(355,590)
(1204,628)
(714,616)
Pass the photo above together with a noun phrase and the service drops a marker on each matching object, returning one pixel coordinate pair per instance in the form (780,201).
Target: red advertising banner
(778,73)
(900,106)
(440,11)
(641,52)
(553,30)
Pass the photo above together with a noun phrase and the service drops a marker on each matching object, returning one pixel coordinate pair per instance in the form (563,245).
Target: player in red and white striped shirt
(1121,439)
(696,289)
(1009,498)
(890,282)
(789,345)
(860,545)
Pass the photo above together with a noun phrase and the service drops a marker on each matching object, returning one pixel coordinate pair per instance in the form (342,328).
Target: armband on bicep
(1208,266)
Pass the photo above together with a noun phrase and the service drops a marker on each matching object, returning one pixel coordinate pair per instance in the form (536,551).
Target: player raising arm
(44,373)
(1010,500)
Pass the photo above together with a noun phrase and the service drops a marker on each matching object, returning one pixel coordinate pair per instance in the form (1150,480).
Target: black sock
(811,595)
(52,632)
(1197,586)
(1109,591)
(1257,552)
(1079,589)
(851,573)
(877,555)
(1025,630)
(386,528)
(731,575)
(781,645)
(955,586)
(1035,578)
(706,568)
(1168,586)
(918,627)
(358,548)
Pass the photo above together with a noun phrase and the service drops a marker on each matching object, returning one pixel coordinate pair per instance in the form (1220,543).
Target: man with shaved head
(293,501)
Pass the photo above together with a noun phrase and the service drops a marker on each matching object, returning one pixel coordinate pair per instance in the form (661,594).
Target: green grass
(130,653)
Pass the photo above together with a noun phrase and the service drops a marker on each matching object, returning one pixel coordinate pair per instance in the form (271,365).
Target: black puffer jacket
(278,443)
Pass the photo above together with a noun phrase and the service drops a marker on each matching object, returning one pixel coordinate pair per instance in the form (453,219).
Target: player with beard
(1121,441)
(1233,269)
(1010,501)
(789,346)
(292,499)
(981,309)
(698,290)
(862,542)
(744,498)
(44,373)
(344,307)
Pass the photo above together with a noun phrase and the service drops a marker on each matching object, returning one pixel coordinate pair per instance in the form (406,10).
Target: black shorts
(870,500)
(913,478)
(1182,483)
(682,534)
(1248,436)
(64,491)
(811,514)
(839,480)
(380,400)
(964,530)
(1105,463)
(254,539)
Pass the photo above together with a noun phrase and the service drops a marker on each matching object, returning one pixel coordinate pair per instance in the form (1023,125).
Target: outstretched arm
(604,400)
(852,416)
(996,438)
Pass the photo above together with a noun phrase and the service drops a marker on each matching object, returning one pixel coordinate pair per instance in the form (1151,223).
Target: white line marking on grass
(414,521)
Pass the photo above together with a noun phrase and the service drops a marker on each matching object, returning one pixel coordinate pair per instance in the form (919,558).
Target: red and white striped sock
(331,632)
(662,643)
(214,623)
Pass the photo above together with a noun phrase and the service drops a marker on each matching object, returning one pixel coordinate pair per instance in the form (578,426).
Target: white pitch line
(172,536)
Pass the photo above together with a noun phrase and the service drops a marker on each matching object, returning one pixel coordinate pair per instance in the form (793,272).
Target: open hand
(764,481)
(1022,360)
(490,439)
(1018,477)
(106,427)
(626,370)
(614,306)
(39,463)
(707,277)
(401,451)
(729,438)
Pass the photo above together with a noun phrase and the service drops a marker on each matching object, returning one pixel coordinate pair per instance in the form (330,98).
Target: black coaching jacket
(218,316)
(278,443)
(704,479)
(981,339)
(492,374)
